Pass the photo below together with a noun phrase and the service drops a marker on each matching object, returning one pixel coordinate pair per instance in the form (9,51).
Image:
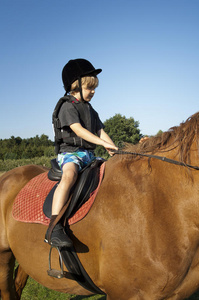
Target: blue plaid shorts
(81,158)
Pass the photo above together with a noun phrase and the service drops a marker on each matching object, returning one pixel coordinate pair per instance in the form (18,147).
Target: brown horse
(141,237)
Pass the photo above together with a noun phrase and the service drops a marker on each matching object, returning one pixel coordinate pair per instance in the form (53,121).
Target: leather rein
(162,158)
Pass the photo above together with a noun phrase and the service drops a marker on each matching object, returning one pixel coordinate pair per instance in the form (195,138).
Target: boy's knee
(69,175)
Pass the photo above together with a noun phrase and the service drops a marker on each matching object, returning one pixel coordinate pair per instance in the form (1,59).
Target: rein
(162,158)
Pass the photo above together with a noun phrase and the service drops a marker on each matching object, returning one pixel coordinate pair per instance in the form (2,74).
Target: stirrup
(53,272)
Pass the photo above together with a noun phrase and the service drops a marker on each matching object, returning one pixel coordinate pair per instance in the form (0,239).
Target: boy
(80,123)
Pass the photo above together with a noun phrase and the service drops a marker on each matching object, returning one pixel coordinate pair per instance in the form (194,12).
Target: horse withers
(140,239)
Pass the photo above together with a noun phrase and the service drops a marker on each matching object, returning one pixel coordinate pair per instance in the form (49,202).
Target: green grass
(35,291)
(9,164)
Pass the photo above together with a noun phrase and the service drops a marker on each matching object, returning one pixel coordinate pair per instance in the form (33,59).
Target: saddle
(87,182)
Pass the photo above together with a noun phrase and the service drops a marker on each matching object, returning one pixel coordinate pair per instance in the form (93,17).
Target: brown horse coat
(140,240)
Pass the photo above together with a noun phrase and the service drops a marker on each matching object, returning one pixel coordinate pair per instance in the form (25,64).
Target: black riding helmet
(75,69)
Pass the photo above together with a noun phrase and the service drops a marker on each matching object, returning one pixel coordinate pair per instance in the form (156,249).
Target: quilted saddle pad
(28,205)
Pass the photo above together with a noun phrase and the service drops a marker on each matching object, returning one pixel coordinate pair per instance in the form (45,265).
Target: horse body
(139,241)
(158,238)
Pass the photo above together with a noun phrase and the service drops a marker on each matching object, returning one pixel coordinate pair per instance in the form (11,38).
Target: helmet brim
(94,73)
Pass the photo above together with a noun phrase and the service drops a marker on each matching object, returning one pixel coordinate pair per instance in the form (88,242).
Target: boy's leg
(59,238)
(61,195)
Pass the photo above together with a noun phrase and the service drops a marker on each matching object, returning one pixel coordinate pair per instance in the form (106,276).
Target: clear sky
(148,50)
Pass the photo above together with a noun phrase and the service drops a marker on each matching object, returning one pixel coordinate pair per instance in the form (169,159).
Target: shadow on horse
(139,241)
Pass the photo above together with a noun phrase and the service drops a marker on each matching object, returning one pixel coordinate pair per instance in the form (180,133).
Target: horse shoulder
(10,184)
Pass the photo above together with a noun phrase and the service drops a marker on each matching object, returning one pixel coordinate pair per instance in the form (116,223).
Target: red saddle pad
(28,205)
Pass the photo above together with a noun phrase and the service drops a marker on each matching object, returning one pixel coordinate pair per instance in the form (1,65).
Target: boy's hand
(111,153)
(109,147)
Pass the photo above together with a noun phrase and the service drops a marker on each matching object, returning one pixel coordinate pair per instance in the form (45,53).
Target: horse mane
(179,137)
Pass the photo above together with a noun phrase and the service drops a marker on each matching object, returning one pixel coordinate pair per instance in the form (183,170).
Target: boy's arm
(92,138)
(104,136)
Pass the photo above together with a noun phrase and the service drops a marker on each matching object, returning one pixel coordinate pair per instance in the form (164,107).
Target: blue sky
(148,50)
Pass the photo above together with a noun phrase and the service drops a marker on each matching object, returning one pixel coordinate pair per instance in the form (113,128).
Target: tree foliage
(18,148)
(121,130)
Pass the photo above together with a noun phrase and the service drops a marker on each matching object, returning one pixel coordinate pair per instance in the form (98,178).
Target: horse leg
(190,283)
(20,280)
(7,263)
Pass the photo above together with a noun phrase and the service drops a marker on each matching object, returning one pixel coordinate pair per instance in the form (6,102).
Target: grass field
(35,291)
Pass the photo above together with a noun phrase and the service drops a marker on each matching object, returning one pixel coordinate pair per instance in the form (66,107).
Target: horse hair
(179,137)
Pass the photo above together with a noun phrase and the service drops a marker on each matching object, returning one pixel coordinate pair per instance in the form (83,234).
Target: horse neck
(183,152)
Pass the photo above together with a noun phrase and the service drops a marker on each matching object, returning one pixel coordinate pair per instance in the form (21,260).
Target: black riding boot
(59,237)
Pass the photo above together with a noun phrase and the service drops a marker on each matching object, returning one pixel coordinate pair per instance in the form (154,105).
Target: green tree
(49,151)
(10,155)
(16,147)
(121,130)
(159,132)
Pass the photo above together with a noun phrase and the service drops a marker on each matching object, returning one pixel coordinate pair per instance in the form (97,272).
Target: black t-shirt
(69,115)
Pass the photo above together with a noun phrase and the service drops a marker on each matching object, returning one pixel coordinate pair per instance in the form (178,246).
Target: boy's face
(87,93)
